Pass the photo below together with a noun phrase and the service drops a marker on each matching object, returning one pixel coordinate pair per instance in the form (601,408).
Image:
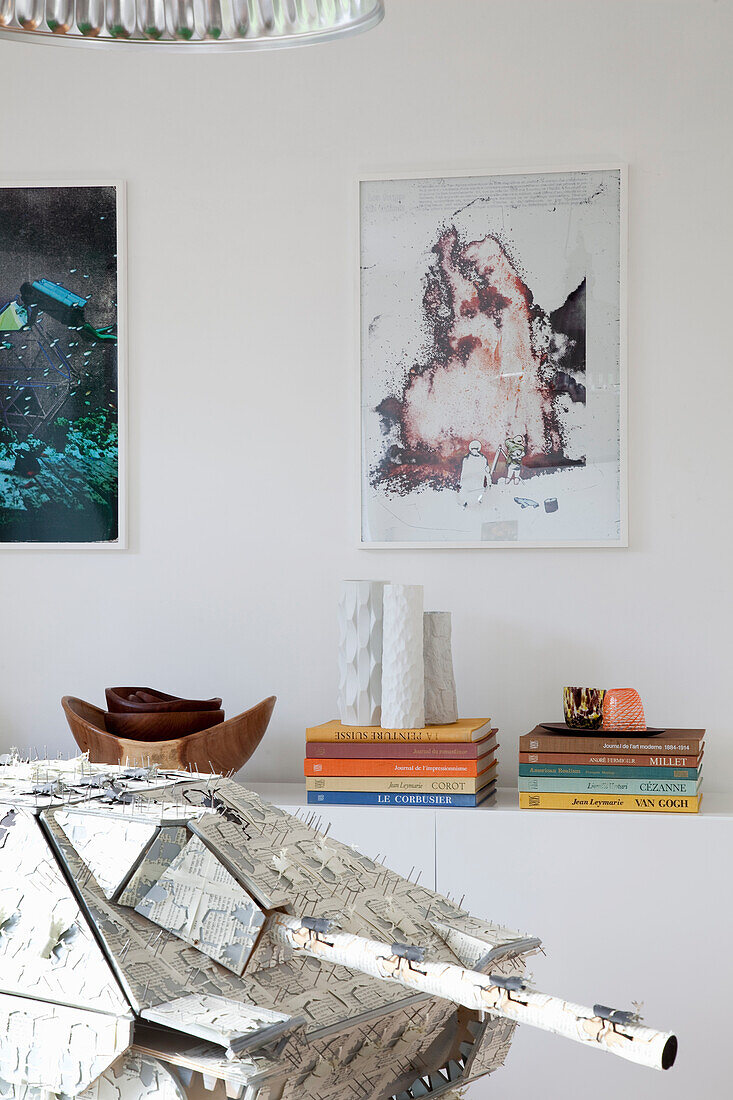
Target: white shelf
(714,804)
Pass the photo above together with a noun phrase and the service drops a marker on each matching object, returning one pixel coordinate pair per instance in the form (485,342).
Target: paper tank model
(170,937)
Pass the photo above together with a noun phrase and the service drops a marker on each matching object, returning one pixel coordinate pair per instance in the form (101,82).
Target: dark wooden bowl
(162,726)
(136,700)
(222,748)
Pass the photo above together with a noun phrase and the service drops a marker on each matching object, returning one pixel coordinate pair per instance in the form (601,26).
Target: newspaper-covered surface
(124,804)
(136,1077)
(55,1047)
(200,901)
(192,1056)
(471,949)
(39,784)
(217,1019)
(109,846)
(491,1042)
(167,845)
(155,967)
(377,1057)
(47,949)
(285,862)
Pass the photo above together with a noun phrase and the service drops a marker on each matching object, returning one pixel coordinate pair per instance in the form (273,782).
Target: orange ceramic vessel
(623,710)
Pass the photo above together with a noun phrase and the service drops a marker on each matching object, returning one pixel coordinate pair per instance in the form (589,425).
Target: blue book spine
(372,798)
(609,786)
(598,771)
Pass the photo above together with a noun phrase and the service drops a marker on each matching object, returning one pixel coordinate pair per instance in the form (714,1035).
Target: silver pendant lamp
(186,25)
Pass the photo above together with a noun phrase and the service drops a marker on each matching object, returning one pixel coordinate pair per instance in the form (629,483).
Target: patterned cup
(583,707)
(623,711)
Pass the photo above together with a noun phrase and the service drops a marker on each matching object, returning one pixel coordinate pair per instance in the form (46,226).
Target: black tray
(562,727)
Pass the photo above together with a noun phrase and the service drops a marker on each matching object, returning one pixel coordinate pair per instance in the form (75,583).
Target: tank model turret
(166,935)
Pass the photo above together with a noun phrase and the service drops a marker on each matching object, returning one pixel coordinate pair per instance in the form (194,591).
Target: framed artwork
(62,397)
(493,374)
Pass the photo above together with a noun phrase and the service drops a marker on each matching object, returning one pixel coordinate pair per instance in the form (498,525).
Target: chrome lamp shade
(215,25)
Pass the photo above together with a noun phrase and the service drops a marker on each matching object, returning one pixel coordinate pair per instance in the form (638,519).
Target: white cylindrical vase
(360,652)
(441,706)
(403,669)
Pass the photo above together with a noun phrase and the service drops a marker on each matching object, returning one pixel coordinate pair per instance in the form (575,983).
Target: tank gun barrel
(613,1031)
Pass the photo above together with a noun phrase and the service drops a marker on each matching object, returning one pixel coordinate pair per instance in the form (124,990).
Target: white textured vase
(403,670)
(441,706)
(360,652)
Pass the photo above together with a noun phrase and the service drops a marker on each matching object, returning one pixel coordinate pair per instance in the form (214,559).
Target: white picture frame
(618,231)
(119,398)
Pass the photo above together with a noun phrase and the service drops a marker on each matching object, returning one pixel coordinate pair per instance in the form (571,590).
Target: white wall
(242,362)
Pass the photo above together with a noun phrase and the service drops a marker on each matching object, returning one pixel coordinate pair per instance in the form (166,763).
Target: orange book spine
(410,769)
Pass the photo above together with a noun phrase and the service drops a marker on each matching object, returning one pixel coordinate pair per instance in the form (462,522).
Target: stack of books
(451,765)
(660,773)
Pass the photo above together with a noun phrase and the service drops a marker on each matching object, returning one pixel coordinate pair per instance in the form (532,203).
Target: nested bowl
(224,747)
(142,700)
(163,725)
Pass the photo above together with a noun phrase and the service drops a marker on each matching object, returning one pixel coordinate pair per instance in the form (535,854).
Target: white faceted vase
(403,671)
(441,706)
(360,652)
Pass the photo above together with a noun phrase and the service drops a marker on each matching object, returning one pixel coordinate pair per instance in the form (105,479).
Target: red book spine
(433,750)
(671,742)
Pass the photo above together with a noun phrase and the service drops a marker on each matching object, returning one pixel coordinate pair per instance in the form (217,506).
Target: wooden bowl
(222,748)
(136,700)
(162,726)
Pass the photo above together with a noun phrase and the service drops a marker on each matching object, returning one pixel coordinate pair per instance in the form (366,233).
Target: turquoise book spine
(608,786)
(598,771)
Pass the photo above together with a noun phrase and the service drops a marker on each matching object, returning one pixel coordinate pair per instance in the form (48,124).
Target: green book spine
(597,771)
(609,786)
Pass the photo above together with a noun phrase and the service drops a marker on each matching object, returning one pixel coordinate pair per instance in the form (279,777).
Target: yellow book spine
(401,785)
(675,804)
(461,731)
